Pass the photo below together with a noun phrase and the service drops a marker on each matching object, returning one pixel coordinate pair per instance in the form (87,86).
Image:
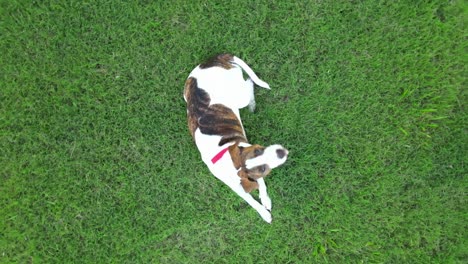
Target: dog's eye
(258,152)
(262,169)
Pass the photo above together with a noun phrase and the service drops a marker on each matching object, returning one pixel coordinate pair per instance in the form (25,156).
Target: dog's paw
(266,215)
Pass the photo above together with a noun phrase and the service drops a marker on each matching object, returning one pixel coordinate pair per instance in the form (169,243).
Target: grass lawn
(97,164)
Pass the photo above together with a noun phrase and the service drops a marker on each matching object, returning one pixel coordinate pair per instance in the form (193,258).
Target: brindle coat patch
(214,119)
(222,60)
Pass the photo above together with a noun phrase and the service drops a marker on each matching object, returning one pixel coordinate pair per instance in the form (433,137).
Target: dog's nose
(281,153)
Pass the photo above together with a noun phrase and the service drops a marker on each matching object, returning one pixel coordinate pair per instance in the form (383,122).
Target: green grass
(97,165)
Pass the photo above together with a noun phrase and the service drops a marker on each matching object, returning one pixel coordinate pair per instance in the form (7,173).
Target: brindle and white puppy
(214,92)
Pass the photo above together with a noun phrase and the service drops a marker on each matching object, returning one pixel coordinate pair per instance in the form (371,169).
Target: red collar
(219,155)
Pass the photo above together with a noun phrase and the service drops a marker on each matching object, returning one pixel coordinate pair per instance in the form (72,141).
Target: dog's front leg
(234,183)
(264,198)
(264,213)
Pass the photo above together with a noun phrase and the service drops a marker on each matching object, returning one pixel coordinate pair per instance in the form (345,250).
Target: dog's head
(255,162)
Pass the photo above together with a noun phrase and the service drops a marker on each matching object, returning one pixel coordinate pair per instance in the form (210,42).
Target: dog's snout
(281,153)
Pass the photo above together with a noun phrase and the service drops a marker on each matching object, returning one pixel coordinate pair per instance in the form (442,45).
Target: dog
(214,92)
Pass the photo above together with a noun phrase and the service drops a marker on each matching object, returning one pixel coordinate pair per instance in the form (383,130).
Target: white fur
(264,198)
(225,171)
(229,88)
(251,73)
(268,157)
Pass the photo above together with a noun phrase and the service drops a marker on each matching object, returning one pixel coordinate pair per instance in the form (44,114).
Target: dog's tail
(250,72)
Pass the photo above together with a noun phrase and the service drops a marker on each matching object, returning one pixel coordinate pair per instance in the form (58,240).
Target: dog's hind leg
(245,95)
(250,87)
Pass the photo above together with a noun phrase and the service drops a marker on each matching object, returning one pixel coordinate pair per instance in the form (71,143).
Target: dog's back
(211,119)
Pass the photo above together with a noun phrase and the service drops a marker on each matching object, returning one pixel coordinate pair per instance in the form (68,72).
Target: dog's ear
(243,174)
(246,182)
(248,185)
(255,173)
(235,151)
